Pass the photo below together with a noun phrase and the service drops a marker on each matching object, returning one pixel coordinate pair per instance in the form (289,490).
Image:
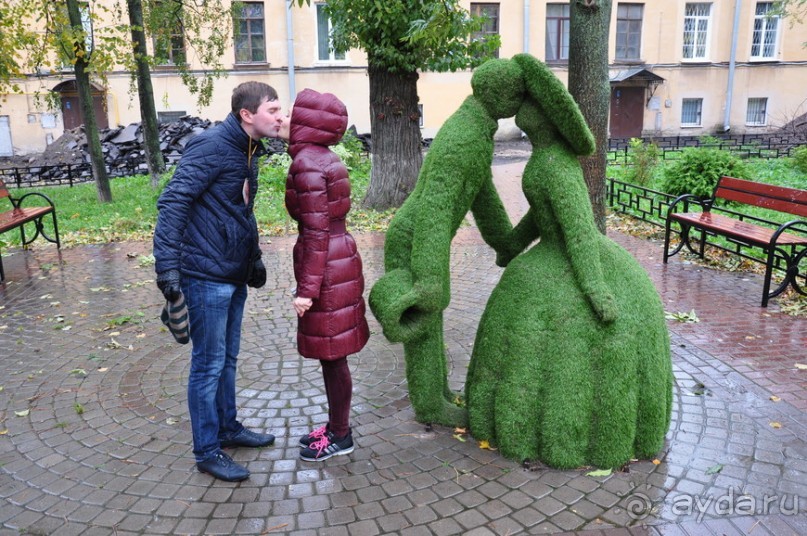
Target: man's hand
(168,283)
(257,278)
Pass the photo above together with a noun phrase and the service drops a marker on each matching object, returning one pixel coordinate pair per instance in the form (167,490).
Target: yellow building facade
(677,68)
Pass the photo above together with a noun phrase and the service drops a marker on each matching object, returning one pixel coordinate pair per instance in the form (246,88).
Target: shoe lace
(320,444)
(319,432)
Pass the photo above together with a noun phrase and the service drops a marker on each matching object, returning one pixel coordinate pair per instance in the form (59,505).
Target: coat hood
(317,118)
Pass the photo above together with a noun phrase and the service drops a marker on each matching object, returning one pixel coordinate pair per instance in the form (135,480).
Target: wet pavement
(95,437)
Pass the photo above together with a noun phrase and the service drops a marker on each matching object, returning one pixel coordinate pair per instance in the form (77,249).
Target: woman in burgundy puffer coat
(327,265)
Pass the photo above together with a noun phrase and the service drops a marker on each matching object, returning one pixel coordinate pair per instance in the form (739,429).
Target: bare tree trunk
(590,87)
(87,110)
(396,153)
(148,112)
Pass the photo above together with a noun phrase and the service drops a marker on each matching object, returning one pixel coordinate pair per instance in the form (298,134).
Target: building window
(691,112)
(696,31)
(250,40)
(557,32)
(324,41)
(491,25)
(629,31)
(766,26)
(169,41)
(757,115)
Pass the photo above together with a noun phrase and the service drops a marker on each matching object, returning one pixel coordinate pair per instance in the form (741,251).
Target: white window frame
(699,112)
(763,27)
(701,30)
(756,112)
(333,58)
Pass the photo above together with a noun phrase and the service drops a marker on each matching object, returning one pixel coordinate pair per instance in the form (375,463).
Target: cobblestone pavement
(95,437)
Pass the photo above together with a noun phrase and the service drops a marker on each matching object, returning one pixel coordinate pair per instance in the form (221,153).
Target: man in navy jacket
(206,249)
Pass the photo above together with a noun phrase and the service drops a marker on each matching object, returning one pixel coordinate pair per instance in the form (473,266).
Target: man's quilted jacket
(206,227)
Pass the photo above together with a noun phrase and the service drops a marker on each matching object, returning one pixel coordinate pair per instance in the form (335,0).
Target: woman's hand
(301,305)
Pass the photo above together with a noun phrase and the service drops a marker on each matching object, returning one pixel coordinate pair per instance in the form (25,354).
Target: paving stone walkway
(95,437)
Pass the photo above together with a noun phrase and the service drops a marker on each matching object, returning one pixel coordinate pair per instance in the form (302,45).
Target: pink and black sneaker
(317,434)
(326,447)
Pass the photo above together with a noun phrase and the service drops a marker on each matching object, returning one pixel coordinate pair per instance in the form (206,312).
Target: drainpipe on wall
(290,53)
(526,26)
(730,88)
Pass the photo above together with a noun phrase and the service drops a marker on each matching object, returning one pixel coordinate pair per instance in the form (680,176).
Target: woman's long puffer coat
(327,265)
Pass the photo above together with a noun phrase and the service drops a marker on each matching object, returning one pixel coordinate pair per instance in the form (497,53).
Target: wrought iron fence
(765,146)
(63,174)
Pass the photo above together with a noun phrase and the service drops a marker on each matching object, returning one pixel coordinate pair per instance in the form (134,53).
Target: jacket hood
(317,118)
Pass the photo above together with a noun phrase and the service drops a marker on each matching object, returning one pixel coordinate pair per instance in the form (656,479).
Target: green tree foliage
(697,171)
(400,39)
(38,36)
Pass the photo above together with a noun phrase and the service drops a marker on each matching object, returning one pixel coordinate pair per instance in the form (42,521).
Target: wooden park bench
(786,244)
(18,216)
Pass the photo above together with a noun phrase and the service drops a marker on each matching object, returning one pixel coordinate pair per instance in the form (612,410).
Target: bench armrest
(800,226)
(686,199)
(18,201)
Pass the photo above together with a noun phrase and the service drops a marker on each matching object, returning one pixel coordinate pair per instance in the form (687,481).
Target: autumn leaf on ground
(600,472)
(23,413)
(689,318)
(4,431)
(775,398)
(459,430)
(801,366)
(656,462)
(459,437)
(485,445)
(776,425)
(714,469)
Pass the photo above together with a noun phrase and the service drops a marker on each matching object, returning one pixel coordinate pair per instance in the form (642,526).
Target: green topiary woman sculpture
(456,177)
(571,363)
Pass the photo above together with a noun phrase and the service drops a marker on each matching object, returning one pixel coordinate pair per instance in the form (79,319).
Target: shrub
(698,170)
(800,158)
(643,158)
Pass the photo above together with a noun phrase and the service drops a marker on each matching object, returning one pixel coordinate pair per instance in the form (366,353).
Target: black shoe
(326,447)
(316,435)
(223,467)
(248,438)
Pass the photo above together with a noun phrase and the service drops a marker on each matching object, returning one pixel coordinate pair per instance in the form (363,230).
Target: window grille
(696,31)
(691,112)
(756,114)
(766,26)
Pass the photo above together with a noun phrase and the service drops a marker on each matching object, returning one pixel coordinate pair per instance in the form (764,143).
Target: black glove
(257,278)
(168,283)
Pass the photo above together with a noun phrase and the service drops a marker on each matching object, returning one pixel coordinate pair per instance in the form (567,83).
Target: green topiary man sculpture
(456,177)
(571,363)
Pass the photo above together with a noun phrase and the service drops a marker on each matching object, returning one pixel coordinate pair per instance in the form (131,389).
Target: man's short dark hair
(250,95)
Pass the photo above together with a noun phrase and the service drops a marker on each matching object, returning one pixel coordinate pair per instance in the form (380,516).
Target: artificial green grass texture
(455,177)
(571,363)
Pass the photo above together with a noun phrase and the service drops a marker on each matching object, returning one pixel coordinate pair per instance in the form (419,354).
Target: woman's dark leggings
(339,390)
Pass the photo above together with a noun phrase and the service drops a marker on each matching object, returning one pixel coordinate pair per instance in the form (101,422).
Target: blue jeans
(215,311)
